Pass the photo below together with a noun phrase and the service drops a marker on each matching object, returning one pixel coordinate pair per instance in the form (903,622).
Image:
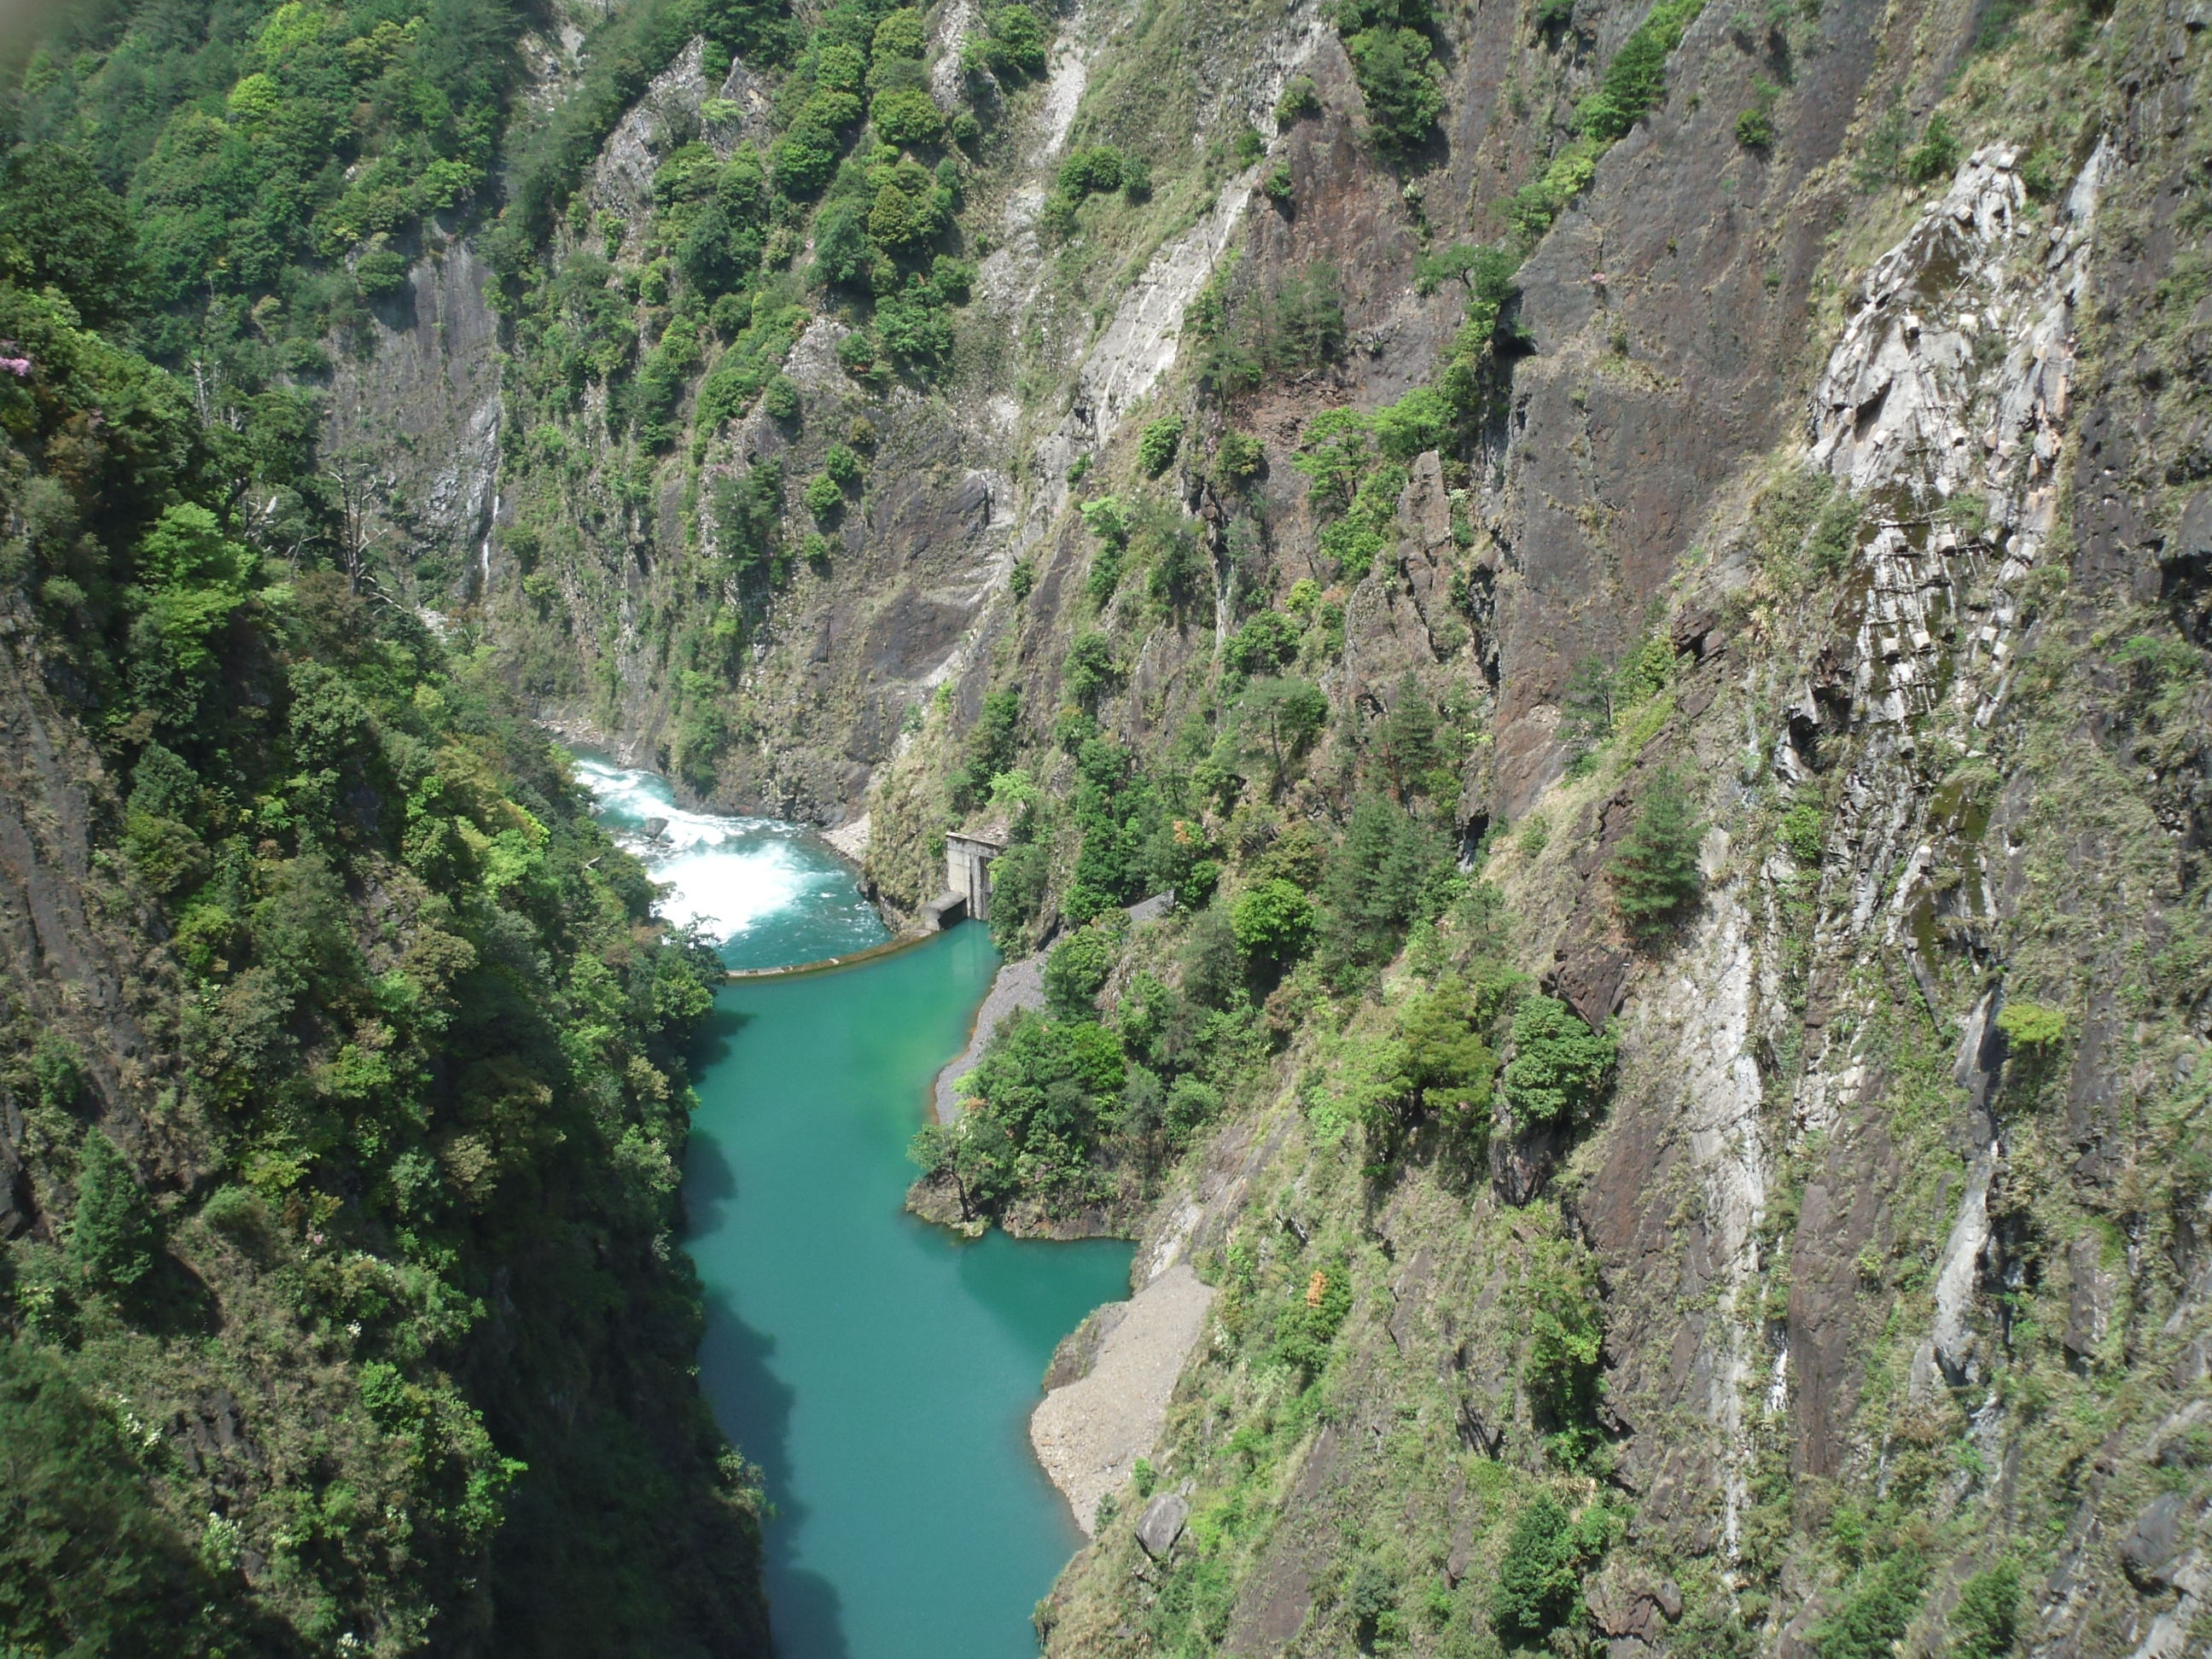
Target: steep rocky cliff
(1685,531)
(1846,420)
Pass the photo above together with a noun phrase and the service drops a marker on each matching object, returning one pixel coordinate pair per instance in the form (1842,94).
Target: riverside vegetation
(345,1084)
(1637,573)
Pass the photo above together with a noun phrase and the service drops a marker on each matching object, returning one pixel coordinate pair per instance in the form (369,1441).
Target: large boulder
(1162,1523)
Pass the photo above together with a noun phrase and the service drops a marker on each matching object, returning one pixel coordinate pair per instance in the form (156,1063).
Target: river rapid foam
(768,893)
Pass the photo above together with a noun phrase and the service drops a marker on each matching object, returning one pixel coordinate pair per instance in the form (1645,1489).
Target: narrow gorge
(1555,649)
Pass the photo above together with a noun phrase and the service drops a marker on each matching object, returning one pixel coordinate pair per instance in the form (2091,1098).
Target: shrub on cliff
(1273,921)
(1090,668)
(1157,445)
(1396,69)
(114,1235)
(1559,1065)
(1076,970)
(1388,872)
(1655,874)
(1636,80)
(1537,1583)
(1267,644)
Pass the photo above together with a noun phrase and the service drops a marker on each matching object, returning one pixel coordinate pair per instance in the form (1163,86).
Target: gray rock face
(414,425)
(2089,1306)
(2152,1542)
(1162,1523)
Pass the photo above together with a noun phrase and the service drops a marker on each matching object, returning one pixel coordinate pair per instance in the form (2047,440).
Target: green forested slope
(343,1072)
(1689,961)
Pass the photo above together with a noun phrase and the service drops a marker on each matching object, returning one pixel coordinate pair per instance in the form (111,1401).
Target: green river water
(880,1371)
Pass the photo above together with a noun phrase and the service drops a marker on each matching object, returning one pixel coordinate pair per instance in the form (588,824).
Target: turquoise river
(881,1372)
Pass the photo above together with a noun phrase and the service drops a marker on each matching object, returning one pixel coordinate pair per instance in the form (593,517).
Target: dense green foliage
(424,1045)
(1244,336)
(1559,1067)
(1636,78)
(1537,1582)
(1392,58)
(114,1233)
(1077,971)
(1655,874)
(1985,1622)
(86,1563)
(281,154)
(1874,1608)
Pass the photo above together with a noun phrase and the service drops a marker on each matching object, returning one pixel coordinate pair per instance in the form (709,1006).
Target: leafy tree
(1096,170)
(1158,443)
(1448,1062)
(824,500)
(1051,1086)
(991,747)
(1407,744)
(1076,970)
(115,1233)
(1300,99)
(1636,79)
(1019,877)
(1655,874)
(1985,1622)
(805,157)
(749,518)
(1935,157)
(1013,46)
(1268,643)
(86,1563)
(1238,459)
(1875,1609)
(1307,1328)
(1273,921)
(61,225)
(1563,1315)
(1090,668)
(1559,1067)
(1386,872)
(1335,452)
(1421,420)
(1279,719)
(1212,963)
(1442,1071)
(902,33)
(839,463)
(1109,519)
(915,325)
(1174,570)
(907,117)
(1180,858)
(1586,710)
(781,398)
(714,256)
(1539,1583)
(1373,1603)
(1396,69)
(192,582)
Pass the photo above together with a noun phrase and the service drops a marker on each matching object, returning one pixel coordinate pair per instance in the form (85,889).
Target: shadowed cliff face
(1890,454)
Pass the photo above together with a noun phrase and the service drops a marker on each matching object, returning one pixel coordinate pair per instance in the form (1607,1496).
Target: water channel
(880,1371)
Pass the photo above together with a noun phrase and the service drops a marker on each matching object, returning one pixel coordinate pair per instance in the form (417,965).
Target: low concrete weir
(889,947)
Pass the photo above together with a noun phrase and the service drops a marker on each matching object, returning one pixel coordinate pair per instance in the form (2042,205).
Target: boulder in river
(655,829)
